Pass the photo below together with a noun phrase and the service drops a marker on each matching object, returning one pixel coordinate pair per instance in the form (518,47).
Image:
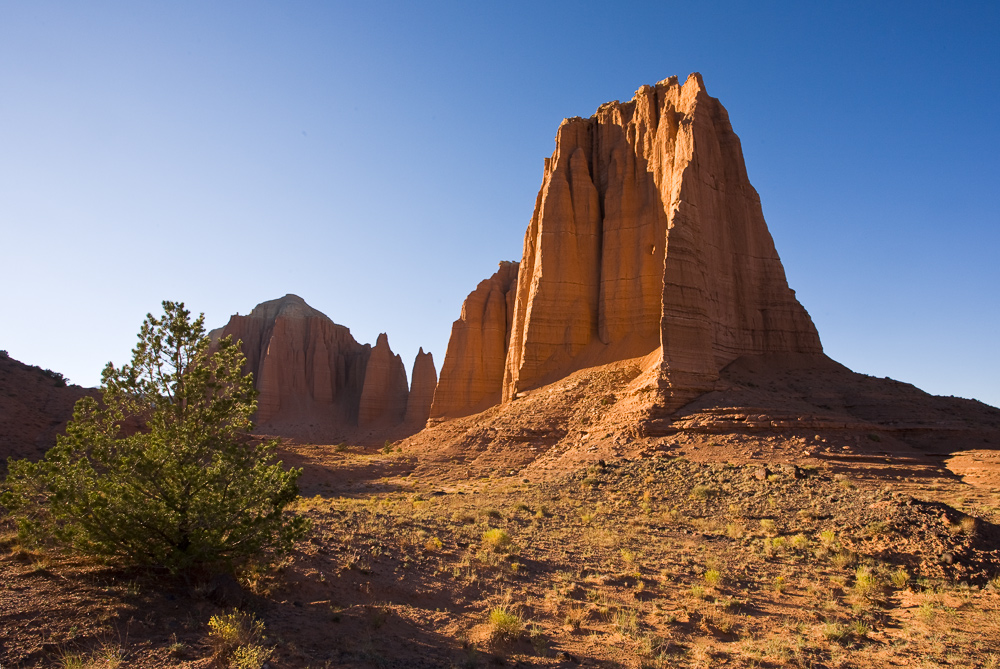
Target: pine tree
(163,471)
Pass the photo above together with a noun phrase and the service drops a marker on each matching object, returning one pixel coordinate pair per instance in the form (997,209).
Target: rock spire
(472,373)
(646,237)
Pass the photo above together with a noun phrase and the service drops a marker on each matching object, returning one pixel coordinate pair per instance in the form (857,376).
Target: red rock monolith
(648,235)
(383,398)
(423,381)
(472,372)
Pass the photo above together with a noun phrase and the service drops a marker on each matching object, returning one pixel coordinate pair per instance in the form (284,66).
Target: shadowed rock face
(35,405)
(472,373)
(311,372)
(423,381)
(303,363)
(646,237)
(383,398)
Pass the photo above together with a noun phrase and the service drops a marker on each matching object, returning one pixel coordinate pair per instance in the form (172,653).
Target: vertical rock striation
(646,237)
(310,372)
(647,234)
(384,395)
(472,373)
(303,363)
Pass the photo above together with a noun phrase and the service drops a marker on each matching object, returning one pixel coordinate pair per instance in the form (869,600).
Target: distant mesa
(647,239)
(315,381)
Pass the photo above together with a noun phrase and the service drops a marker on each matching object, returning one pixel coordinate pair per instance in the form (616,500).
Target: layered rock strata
(646,237)
(472,373)
(309,371)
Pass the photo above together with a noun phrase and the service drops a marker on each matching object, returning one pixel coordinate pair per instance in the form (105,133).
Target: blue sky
(380,158)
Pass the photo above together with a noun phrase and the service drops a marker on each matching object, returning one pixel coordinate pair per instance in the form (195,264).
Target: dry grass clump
(236,640)
(505,623)
(867,585)
(703,492)
(108,656)
(497,540)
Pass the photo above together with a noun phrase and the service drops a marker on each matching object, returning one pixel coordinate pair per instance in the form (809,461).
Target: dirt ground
(566,530)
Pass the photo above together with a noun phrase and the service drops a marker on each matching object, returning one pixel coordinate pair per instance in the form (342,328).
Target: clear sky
(379,158)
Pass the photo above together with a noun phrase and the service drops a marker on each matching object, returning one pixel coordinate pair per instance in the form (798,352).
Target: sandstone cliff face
(472,373)
(383,398)
(311,373)
(303,363)
(648,235)
(423,381)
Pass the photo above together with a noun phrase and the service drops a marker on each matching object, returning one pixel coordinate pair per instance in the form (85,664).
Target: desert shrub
(58,378)
(735,530)
(876,528)
(800,542)
(163,471)
(236,637)
(843,559)
(497,540)
(250,657)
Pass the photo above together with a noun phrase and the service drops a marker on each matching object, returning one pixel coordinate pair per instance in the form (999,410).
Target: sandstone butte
(647,239)
(315,380)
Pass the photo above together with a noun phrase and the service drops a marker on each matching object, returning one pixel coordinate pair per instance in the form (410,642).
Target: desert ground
(489,541)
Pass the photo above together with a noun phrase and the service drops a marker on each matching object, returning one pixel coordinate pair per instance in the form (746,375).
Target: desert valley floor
(583,545)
